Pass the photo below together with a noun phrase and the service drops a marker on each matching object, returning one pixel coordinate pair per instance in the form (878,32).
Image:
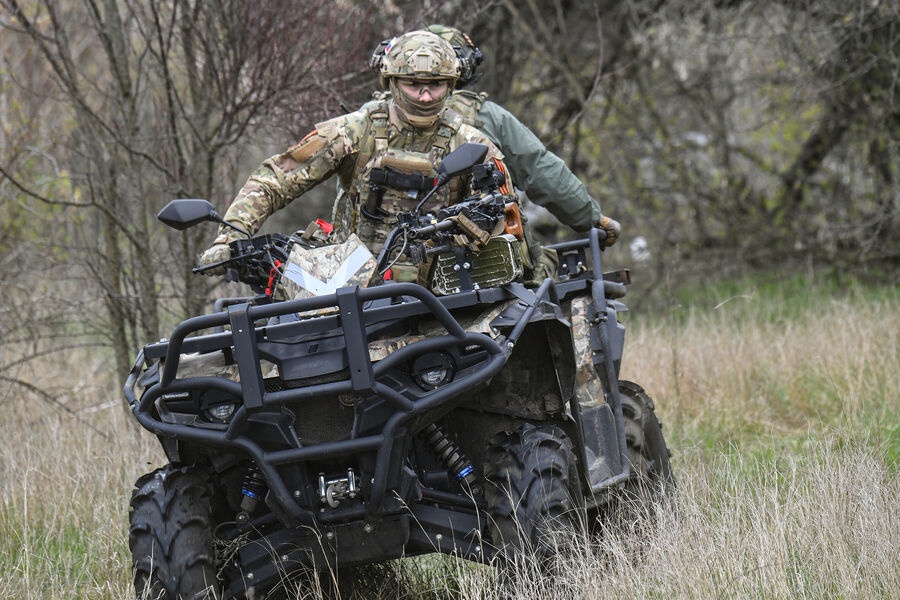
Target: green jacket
(537,171)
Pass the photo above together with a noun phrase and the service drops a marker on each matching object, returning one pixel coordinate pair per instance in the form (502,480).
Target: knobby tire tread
(532,489)
(171,535)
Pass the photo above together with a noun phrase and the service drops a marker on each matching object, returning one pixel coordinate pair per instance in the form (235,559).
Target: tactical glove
(612,229)
(213,254)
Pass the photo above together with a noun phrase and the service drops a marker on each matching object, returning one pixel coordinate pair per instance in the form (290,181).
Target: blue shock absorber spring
(452,456)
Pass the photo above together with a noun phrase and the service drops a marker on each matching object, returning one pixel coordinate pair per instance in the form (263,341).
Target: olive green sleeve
(537,171)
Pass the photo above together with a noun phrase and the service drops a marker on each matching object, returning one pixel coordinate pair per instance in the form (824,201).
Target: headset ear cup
(377,58)
(470,56)
(465,68)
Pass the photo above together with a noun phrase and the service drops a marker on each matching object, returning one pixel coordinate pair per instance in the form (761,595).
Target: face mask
(416,113)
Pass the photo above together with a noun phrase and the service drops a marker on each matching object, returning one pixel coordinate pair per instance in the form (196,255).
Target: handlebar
(222,263)
(256,260)
(424,232)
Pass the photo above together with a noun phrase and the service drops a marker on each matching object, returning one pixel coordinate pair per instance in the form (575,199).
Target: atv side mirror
(182,213)
(456,163)
(461,160)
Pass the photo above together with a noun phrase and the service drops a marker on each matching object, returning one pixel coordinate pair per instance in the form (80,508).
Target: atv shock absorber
(252,490)
(452,456)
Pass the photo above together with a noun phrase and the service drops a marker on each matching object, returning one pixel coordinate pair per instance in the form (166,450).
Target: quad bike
(339,418)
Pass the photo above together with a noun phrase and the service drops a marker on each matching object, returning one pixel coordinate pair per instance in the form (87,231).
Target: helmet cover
(420,55)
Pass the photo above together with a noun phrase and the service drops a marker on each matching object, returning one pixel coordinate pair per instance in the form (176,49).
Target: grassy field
(781,403)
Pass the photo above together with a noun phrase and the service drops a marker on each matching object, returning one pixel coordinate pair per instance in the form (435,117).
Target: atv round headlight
(220,412)
(433,370)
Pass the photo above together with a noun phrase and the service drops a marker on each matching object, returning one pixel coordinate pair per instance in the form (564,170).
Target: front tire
(171,535)
(533,490)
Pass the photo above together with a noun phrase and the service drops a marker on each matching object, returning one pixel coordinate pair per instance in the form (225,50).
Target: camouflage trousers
(544,262)
(588,388)
(347,220)
(343,216)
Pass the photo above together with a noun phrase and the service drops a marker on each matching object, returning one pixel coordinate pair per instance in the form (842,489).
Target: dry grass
(67,471)
(783,418)
(758,366)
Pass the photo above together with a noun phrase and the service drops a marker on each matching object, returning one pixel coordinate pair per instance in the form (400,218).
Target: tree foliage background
(725,135)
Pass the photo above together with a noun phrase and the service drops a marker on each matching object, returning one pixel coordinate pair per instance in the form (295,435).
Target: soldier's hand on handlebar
(214,254)
(612,228)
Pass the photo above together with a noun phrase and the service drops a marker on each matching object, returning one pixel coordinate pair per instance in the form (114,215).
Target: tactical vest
(468,104)
(393,174)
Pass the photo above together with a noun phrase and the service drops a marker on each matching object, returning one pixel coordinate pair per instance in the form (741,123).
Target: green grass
(780,403)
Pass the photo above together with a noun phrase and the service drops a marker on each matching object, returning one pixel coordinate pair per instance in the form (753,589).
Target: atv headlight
(220,412)
(433,370)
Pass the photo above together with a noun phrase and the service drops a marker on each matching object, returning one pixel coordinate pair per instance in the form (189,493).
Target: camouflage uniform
(540,173)
(351,146)
(588,387)
(547,181)
(334,148)
(544,177)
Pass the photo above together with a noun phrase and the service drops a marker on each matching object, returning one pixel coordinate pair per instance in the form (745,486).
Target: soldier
(541,174)
(394,143)
(537,171)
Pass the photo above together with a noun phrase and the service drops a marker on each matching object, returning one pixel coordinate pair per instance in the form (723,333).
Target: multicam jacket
(347,146)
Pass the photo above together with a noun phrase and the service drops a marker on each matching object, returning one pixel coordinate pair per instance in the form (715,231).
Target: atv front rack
(343,324)
(360,312)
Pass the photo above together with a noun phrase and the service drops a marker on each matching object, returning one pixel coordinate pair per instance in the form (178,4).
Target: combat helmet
(419,55)
(468,53)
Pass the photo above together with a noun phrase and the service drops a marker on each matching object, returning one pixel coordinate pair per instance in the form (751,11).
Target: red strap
(273,273)
(325,225)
